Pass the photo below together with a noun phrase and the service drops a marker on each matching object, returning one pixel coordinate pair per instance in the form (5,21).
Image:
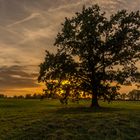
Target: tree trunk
(94,103)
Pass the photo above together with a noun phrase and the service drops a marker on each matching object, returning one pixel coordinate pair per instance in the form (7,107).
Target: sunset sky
(28,28)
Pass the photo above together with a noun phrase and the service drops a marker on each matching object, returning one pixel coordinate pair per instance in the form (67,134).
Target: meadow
(22,119)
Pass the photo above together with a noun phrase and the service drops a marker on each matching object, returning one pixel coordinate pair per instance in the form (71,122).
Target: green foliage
(96,51)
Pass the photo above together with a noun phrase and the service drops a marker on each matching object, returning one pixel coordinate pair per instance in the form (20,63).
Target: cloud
(17,77)
(29,27)
(33,15)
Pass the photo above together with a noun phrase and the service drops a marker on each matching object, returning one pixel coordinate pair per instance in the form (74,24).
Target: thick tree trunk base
(95,105)
(94,102)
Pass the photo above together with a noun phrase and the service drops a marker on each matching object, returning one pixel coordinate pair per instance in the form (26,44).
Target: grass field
(49,120)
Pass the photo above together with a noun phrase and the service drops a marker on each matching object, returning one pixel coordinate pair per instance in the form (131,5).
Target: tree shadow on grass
(83,110)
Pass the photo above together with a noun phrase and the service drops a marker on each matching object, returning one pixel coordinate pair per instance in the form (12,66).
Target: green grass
(49,120)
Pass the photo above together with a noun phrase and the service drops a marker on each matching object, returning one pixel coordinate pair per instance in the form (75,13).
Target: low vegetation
(49,120)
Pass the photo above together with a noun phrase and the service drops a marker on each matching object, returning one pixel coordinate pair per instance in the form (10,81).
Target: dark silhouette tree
(99,53)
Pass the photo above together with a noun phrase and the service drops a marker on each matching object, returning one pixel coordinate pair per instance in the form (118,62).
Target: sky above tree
(28,28)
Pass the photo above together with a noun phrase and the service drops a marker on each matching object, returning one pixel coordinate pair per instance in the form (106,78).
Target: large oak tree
(99,53)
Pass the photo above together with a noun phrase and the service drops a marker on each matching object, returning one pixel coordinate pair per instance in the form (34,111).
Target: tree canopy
(97,52)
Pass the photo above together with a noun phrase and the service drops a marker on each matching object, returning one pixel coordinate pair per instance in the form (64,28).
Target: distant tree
(99,53)
(20,97)
(28,96)
(134,95)
(2,96)
(34,96)
(15,96)
(37,96)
